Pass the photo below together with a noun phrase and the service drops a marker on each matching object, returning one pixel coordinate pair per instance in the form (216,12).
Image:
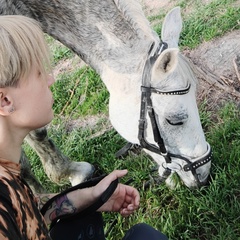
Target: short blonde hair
(22,47)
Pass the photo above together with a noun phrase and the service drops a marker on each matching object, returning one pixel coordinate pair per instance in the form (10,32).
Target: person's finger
(112,176)
(118,174)
(125,212)
(133,195)
(105,182)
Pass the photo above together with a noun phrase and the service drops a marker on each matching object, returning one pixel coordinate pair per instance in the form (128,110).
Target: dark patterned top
(20,218)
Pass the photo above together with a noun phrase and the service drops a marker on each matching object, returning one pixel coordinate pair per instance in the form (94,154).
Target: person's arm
(124,200)
(71,202)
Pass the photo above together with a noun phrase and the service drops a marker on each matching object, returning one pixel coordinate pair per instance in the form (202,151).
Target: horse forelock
(178,74)
(187,70)
(182,76)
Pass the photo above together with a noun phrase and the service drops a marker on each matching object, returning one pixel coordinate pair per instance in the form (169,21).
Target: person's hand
(124,200)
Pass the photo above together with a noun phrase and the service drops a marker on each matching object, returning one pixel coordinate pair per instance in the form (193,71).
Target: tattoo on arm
(42,199)
(61,206)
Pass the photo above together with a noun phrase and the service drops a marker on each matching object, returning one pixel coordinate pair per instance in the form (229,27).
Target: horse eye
(173,123)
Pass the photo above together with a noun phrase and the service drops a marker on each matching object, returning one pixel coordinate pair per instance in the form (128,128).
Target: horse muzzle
(198,167)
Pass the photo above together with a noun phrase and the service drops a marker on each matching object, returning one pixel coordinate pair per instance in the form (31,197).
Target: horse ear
(165,64)
(172,27)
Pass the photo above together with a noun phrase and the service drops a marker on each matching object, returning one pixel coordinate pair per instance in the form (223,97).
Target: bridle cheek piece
(147,107)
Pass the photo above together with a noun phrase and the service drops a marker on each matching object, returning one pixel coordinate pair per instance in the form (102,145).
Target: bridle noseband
(146,107)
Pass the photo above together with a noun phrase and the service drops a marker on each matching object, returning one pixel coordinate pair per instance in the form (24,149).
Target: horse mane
(134,38)
(189,69)
(105,34)
(133,13)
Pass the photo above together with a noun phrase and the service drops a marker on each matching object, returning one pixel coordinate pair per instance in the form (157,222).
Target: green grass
(210,21)
(84,91)
(59,51)
(209,213)
(203,22)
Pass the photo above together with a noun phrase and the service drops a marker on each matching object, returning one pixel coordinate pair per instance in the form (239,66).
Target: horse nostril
(174,123)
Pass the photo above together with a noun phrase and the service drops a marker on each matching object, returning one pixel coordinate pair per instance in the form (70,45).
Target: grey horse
(151,84)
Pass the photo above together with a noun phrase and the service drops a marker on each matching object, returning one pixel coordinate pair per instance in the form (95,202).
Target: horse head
(169,127)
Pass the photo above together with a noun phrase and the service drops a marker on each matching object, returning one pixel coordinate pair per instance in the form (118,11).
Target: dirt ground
(219,65)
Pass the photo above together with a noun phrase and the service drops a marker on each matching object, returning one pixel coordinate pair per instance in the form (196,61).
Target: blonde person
(26,104)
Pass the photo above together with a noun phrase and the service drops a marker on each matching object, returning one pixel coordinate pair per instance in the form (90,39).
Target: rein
(147,108)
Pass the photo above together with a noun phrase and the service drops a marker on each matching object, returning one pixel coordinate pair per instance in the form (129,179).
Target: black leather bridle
(146,107)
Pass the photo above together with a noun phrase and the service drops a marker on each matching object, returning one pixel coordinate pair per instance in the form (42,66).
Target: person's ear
(6,104)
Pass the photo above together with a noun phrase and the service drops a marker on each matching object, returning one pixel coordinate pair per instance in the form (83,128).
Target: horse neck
(105,34)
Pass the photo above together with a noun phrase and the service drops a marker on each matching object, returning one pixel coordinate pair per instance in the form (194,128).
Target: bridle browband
(146,107)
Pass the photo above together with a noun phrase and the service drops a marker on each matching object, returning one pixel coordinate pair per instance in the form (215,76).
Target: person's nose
(51,80)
